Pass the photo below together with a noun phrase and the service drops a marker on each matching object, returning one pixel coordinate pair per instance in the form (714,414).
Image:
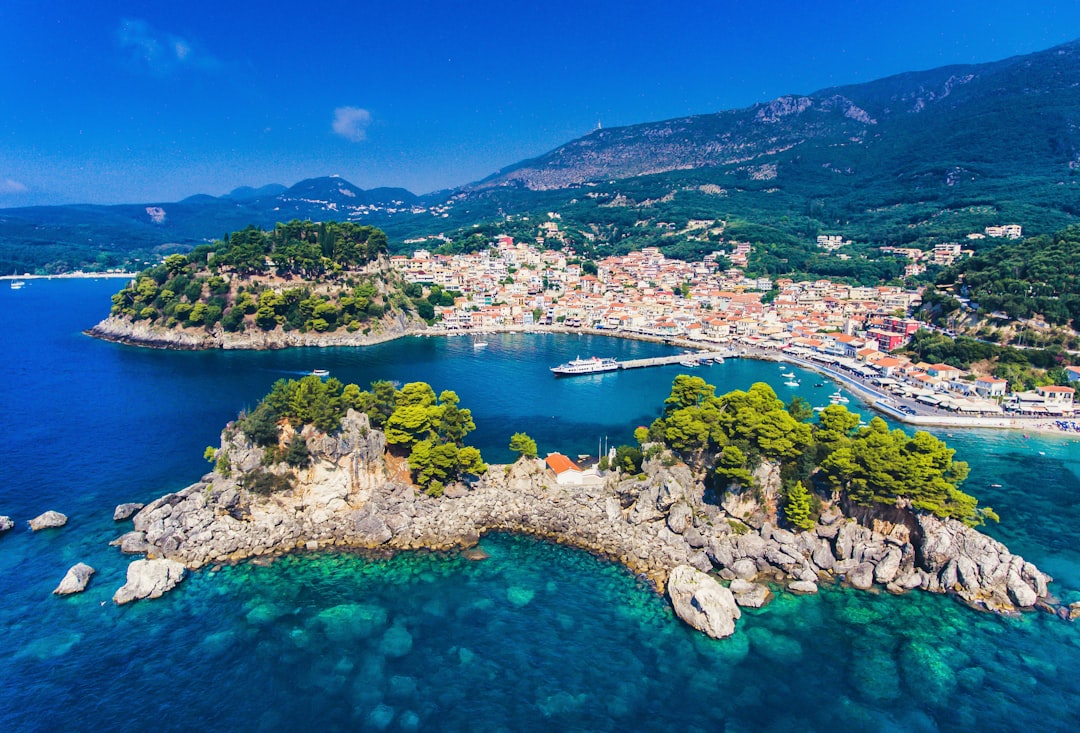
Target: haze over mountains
(917,155)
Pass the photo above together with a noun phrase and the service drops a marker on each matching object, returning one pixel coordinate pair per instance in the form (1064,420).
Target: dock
(697,358)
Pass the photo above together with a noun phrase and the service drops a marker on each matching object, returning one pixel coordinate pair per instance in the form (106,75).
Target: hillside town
(844,329)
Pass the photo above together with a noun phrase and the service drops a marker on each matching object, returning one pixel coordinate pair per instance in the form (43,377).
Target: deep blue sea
(538,637)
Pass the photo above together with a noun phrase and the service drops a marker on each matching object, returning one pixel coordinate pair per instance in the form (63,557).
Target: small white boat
(17,284)
(479,344)
(791,383)
(837,398)
(320,373)
(789,375)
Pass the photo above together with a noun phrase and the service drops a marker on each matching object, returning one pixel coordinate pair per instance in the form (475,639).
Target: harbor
(594,365)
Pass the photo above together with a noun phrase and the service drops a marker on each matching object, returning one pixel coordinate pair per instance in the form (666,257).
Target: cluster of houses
(936,385)
(848,327)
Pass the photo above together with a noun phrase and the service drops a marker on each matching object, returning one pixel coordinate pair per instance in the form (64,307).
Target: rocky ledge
(145,333)
(657,524)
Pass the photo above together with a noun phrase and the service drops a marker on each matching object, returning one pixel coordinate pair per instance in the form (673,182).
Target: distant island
(319,465)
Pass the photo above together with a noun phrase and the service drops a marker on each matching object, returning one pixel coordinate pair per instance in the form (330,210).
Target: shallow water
(537,637)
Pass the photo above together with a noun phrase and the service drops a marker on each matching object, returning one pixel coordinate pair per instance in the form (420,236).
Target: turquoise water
(537,637)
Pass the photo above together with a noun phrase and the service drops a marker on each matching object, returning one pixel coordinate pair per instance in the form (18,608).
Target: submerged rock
(803,586)
(149,579)
(125,511)
(75,581)
(749,595)
(48,520)
(702,602)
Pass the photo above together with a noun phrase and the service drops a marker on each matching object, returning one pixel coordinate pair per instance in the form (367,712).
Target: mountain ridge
(910,157)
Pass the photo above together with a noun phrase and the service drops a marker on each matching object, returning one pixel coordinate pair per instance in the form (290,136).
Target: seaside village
(845,329)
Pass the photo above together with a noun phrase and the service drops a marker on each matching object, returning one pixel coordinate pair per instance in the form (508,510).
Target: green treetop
(523,444)
(869,465)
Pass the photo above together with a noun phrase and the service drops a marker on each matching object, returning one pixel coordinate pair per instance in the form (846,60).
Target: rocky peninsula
(354,495)
(125,330)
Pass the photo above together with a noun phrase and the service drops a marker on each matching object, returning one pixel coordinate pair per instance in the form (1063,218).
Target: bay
(536,637)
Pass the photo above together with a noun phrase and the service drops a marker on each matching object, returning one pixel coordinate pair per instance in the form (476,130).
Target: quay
(698,358)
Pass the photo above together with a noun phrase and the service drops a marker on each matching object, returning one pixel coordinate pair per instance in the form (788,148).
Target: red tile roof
(559,463)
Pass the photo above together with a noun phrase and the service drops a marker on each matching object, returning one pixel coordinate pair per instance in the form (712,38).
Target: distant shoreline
(71,276)
(873,398)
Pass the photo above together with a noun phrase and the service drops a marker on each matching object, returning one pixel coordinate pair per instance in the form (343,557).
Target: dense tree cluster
(1036,276)
(429,429)
(299,276)
(433,429)
(867,465)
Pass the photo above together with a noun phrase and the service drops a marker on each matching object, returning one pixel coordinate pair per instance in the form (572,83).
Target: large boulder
(862,576)
(125,511)
(702,602)
(149,579)
(680,518)
(745,569)
(6,524)
(48,520)
(888,566)
(75,581)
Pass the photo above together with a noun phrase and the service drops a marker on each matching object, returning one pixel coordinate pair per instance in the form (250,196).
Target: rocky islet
(658,524)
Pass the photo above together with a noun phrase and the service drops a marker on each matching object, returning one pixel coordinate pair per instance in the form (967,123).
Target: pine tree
(797,507)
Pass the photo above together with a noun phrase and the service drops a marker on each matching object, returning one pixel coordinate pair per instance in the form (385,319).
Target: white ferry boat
(592,365)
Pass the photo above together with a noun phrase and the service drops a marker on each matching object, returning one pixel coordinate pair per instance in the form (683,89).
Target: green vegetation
(430,429)
(867,466)
(433,429)
(797,506)
(299,276)
(1038,276)
(523,444)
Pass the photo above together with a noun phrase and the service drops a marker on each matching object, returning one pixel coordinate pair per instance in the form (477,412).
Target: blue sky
(109,102)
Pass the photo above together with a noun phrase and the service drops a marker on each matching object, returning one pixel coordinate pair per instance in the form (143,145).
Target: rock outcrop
(6,524)
(146,333)
(702,602)
(48,520)
(75,580)
(149,579)
(350,496)
(126,511)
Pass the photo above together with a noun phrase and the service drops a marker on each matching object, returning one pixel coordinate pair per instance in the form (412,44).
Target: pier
(697,358)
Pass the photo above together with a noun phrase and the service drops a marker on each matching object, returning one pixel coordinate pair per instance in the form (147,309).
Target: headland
(355,495)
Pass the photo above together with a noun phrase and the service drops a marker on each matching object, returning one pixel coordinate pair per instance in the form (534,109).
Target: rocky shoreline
(146,334)
(657,524)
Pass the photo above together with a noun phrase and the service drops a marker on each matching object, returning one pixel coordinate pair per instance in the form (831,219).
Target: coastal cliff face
(124,330)
(351,496)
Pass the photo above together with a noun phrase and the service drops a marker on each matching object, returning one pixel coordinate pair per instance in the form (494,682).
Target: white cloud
(157,52)
(351,123)
(10,185)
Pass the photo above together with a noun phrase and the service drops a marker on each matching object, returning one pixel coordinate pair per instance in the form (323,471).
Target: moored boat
(592,365)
